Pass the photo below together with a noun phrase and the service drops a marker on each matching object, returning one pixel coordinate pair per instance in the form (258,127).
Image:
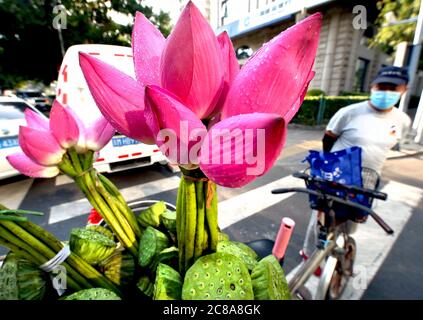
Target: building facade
(344,61)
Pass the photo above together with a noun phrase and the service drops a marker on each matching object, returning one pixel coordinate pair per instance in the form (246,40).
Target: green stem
(190,223)
(123,206)
(180,224)
(212,219)
(198,249)
(24,254)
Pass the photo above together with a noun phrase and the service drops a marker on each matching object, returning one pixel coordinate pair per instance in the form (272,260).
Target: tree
(29,44)
(388,37)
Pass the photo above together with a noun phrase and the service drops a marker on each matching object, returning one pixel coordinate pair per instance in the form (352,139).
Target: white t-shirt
(375,132)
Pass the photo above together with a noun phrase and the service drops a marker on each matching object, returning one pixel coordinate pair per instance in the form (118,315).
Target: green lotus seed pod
(168,219)
(20,279)
(241,250)
(93,294)
(168,283)
(218,276)
(152,243)
(105,231)
(151,215)
(167,256)
(146,286)
(90,245)
(269,282)
(119,267)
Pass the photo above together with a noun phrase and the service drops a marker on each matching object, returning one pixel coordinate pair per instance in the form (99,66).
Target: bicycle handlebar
(340,186)
(373,214)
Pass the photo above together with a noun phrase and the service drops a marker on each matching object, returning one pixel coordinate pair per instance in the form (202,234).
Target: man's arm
(329,140)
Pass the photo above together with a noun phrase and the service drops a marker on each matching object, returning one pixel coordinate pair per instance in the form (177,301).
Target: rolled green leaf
(91,246)
(151,215)
(199,235)
(269,282)
(152,243)
(119,267)
(21,280)
(168,283)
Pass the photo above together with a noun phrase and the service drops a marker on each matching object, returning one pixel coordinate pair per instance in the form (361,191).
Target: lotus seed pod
(119,267)
(168,283)
(93,294)
(20,279)
(151,215)
(269,282)
(90,245)
(218,276)
(146,286)
(168,219)
(167,256)
(241,250)
(152,243)
(105,231)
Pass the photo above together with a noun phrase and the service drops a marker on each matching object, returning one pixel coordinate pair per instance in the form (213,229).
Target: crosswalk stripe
(373,245)
(13,194)
(248,203)
(62,180)
(77,208)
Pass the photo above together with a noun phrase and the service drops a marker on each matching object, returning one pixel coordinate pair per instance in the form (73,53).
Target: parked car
(11,117)
(36,98)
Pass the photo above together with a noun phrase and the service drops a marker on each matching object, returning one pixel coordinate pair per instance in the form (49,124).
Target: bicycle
(336,247)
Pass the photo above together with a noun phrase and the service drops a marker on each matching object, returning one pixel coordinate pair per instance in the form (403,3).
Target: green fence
(318,110)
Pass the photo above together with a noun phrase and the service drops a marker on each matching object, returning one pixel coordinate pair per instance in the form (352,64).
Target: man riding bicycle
(375,126)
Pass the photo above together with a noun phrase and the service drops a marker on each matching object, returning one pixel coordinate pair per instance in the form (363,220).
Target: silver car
(11,117)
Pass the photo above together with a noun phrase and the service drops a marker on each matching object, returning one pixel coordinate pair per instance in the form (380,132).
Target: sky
(170,6)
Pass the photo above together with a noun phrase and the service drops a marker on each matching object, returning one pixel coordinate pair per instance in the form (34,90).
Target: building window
(224,7)
(361,69)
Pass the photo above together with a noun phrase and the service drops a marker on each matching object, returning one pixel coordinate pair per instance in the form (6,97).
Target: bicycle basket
(370,180)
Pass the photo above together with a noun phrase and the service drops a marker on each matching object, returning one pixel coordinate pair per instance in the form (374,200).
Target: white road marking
(62,180)
(12,194)
(373,244)
(77,208)
(248,203)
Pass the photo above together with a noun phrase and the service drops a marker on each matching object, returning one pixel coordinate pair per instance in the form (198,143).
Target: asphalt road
(393,264)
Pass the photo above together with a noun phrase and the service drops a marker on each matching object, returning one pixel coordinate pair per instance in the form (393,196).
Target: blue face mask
(384,100)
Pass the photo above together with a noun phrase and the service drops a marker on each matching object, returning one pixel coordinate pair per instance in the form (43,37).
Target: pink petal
(239,149)
(63,125)
(40,146)
(147,46)
(35,120)
(183,130)
(231,67)
(294,109)
(99,134)
(26,166)
(191,64)
(230,62)
(117,96)
(274,78)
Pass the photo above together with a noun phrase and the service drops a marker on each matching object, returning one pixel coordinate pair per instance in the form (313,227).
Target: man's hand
(329,140)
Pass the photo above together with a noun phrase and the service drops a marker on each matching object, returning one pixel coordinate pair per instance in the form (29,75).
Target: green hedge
(309,111)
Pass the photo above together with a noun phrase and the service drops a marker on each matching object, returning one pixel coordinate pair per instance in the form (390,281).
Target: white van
(72,90)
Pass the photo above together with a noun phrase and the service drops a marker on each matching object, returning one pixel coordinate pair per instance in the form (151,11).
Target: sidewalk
(408,149)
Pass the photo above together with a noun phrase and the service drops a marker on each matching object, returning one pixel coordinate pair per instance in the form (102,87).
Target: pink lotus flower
(45,142)
(193,76)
